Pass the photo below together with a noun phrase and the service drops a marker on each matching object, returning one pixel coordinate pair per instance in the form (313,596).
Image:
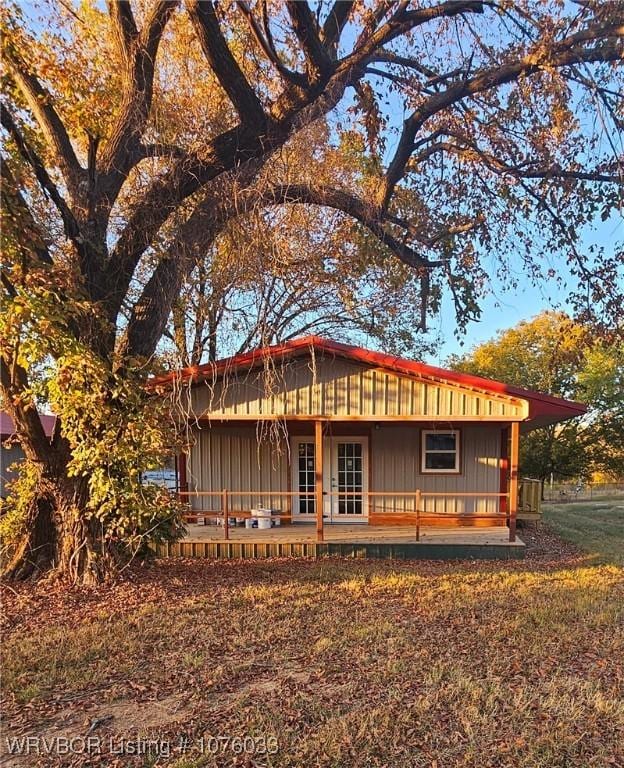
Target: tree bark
(57,533)
(58,536)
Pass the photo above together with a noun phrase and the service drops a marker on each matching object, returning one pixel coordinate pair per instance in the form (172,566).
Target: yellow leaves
(114,430)
(75,67)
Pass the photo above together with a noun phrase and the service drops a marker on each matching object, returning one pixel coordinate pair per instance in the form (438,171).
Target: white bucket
(261,512)
(250,522)
(263,516)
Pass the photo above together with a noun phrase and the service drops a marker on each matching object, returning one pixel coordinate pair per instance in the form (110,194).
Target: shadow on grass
(596,527)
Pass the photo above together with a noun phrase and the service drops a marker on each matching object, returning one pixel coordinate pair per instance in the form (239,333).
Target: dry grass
(347,663)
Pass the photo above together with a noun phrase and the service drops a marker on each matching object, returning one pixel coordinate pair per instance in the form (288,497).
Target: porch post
(513,478)
(226,514)
(182,486)
(180,466)
(318,477)
(504,472)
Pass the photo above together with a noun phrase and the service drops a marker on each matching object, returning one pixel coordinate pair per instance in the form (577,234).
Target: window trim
(423,452)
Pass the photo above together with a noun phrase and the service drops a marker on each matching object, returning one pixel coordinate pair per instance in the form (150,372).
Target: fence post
(226,514)
(417,497)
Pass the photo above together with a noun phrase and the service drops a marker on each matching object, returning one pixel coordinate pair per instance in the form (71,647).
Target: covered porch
(370,482)
(348,450)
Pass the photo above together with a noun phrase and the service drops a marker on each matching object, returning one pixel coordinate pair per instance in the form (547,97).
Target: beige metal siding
(395,456)
(232,458)
(333,387)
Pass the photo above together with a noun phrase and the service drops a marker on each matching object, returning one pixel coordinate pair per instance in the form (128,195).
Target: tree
(273,278)
(553,354)
(135,137)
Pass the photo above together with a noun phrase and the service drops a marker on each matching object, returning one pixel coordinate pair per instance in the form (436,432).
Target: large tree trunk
(58,535)
(35,552)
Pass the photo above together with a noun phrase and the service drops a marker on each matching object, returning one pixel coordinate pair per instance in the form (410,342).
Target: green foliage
(14,509)
(551,353)
(116,431)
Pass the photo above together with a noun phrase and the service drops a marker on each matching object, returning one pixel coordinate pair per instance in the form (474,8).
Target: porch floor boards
(355,534)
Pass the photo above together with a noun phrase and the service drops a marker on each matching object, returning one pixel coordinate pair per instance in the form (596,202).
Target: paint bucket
(250,522)
(264,518)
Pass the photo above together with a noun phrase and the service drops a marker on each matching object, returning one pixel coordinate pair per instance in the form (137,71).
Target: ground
(597,527)
(344,663)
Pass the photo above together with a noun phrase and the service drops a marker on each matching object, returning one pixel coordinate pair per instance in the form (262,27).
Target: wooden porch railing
(530,499)
(418,517)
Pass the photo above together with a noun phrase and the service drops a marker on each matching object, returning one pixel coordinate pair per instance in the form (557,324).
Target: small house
(327,434)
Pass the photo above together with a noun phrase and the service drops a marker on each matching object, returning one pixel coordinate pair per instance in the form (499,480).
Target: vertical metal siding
(234,459)
(396,467)
(336,387)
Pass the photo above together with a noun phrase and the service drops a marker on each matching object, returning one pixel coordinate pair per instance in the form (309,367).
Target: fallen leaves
(348,663)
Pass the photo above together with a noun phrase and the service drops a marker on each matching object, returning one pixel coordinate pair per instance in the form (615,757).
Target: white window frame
(423,452)
(296,514)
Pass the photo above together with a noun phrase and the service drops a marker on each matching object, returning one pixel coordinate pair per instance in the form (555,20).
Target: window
(306,478)
(440,451)
(350,478)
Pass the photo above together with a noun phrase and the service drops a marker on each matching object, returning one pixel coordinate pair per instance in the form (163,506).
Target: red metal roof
(543,408)
(7,427)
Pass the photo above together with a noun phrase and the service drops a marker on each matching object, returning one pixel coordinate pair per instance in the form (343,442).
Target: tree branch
(529,169)
(71,227)
(306,29)
(562,54)
(40,104)
(403,21)
(22,221)
(123,146)
(335,23)
(124,26)
(225,67)
(266,43)
(28,426)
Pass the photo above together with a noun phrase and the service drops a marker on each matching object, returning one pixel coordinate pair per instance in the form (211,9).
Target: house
(10,449)
(326,434)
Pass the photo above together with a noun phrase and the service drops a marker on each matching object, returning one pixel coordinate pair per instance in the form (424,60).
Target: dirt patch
(118,719)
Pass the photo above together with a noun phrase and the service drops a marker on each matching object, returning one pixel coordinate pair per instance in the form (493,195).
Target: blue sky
(500,309)
(504,309)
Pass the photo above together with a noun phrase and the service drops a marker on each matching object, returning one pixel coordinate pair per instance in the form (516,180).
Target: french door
(345,479)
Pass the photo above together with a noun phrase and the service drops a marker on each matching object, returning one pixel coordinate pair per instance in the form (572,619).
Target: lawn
(345,663)
(597,527)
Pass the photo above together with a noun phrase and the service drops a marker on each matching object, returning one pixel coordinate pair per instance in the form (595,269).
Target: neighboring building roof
(7,427)
(543,409)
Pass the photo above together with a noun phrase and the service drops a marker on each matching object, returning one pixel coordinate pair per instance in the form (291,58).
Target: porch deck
(299,540)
